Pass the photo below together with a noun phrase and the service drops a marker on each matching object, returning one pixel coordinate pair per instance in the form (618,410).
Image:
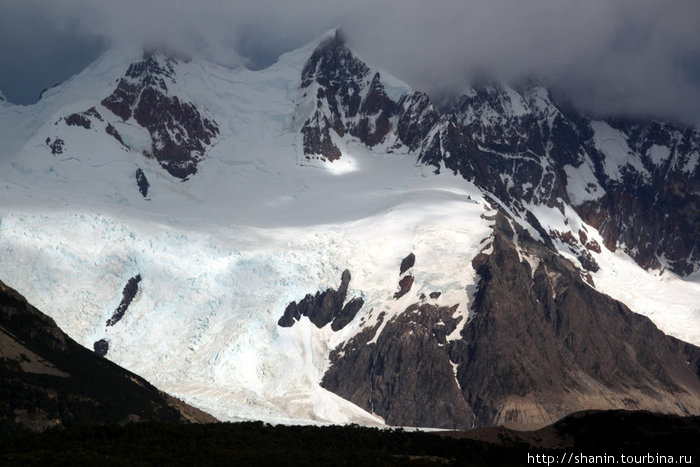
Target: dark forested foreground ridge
(48,380)
(608,436)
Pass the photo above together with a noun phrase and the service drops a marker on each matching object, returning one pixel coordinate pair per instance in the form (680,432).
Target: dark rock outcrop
(48,380)
(407,263)
(110,130)
(83,119)
(56,145)
(538,345)
(347,314)
(417,117)
(324,307)
(405,285)
(101,347)
(179,132)
(78,120)
(128,294)
(142,182)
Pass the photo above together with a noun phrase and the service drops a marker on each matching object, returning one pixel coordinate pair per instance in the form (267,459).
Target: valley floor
(612,437)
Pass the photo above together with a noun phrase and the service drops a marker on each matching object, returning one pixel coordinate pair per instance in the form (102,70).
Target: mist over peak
(623,58)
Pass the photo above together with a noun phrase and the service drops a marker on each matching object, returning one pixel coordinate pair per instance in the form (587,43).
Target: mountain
(49,380)
(318,242)
(634,182)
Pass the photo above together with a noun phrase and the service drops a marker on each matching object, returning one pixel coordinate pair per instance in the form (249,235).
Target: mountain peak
(179,131)
(152,69)
(347,97)
(333,61)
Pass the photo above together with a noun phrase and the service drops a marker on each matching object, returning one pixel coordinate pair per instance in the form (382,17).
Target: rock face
(405,285)
(653,208)
(110,130)
(638,183)
(406,376)
(324,307)
(344,98)
(543,342)
(539,344)
(49,380)
(407,263)
(179,132)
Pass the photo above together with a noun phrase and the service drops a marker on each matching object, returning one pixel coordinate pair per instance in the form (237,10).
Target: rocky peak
(180,132)
(334,66)
(345,97)
(153,70)
(489,105)
(651,192)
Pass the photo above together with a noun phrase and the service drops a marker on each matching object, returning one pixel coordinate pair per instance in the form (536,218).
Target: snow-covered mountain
(316,241)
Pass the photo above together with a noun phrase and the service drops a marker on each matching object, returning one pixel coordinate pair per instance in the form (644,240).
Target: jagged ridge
(524,149)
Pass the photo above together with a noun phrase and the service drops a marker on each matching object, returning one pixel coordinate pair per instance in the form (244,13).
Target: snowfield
(204,322)
(223,253)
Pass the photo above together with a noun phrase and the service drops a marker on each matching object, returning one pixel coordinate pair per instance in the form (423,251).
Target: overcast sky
(620,57)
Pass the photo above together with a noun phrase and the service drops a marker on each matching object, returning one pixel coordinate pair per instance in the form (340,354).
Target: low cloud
(622,57)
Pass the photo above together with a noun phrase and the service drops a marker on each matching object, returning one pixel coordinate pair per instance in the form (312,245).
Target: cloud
(621,57)
(39,49)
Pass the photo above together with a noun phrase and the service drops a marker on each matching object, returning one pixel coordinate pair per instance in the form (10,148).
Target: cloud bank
(609,57)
